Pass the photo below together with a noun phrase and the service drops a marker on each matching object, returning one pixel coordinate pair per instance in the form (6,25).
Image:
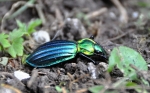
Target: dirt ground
(77,19)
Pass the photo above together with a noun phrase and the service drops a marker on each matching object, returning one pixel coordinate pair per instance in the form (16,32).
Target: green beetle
(58,51)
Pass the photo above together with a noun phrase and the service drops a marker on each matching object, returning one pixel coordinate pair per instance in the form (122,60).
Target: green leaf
(143,4)
(123,57)
(15,34)
(145,82)
(20,24)
(3,40)
(81,15)
(141,90)
(99,88)
(129,84)
(24,57)
(113,59)
(96,89)
(0,48)
(58,89)
(11,51)
(21,27)
(14,42)
(4,61)
(33,24)
(131,56)
(16,48)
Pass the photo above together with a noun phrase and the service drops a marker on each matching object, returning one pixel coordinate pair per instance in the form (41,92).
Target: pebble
(135,14)
(21,75)
(82,66)
(41,36)
(112,15)
(92,70)
(74,27)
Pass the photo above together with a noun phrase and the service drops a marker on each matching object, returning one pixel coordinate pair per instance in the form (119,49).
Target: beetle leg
(87,57)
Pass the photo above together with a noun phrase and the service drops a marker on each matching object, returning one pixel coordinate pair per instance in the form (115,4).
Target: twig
(40,13)
(20,10)
(70,76)
(123,12)
(58,15)
(76,80)
(64,90)
(131,87)
(32,79)
(14,6)
(96,13)
(81,90)
(120,36)
(140,73)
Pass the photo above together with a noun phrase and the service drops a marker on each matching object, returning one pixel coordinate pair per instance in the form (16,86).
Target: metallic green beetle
(58,51)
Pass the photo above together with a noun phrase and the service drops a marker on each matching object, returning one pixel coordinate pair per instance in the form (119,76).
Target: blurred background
(111,22)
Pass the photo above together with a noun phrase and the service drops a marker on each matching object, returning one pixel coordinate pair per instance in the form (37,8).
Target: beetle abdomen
(52,53)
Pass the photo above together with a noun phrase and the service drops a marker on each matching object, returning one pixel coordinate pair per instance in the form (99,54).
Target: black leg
(87,57)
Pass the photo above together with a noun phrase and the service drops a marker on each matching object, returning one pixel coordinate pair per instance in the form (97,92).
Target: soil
(74,75)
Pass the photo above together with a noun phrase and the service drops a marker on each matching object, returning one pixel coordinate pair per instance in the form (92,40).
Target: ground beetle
(58,51)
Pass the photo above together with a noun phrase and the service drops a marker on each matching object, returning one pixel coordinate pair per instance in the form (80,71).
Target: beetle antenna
(87,58)
(92,37)
(57,33)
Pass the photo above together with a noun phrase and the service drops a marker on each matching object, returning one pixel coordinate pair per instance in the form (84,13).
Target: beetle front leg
(87,57)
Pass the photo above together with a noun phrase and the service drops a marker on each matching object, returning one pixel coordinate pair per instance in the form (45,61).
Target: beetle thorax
(86,46)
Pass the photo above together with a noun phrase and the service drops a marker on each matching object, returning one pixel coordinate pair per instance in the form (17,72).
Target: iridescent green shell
(58,51)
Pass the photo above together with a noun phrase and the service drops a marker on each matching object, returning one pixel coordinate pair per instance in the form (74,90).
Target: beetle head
(89,47)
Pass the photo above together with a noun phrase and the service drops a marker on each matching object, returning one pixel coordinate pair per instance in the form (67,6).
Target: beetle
(58,51)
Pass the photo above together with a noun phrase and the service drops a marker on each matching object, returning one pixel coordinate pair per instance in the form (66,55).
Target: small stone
(112,15)
(52,76)
(74,27)
(103,65)
(135,15)
(101,69)
(64,78)
(75,86)
(21,75)
(82,66)
(70,66)
(41,36)
(92,70)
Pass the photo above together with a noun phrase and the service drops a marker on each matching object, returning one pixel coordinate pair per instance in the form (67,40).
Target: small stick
(82,90)
(64,90)
(96,13)
(58,15)
(33,78)
(70,76)
(123,12)
(120,36)
(10,14)
(40,13)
